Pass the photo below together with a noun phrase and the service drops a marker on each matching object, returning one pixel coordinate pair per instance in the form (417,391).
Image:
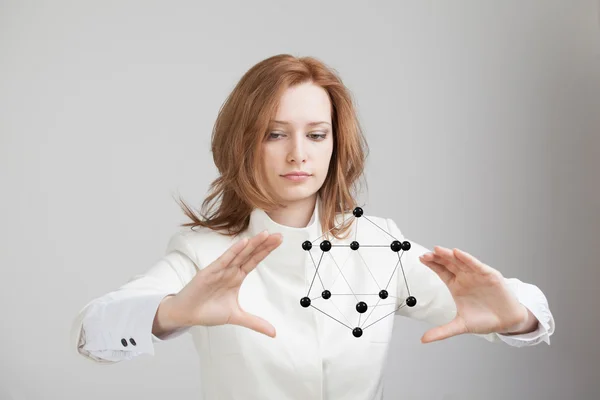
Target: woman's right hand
(211,297)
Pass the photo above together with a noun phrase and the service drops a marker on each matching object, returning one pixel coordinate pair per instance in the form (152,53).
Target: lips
(297,174)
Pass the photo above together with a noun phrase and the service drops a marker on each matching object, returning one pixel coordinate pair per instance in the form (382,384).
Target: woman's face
(299,141)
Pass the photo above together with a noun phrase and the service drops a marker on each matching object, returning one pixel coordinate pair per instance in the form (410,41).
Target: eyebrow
(309,124)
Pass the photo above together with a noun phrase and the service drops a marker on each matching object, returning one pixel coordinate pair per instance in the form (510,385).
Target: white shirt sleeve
(117,326)
(534,299)
(436,306)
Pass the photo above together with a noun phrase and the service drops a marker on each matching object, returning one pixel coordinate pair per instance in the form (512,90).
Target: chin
(296,194)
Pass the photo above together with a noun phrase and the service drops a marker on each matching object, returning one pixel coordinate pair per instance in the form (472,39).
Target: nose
(297,152)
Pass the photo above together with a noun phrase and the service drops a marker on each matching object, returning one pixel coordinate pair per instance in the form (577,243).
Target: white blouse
(315,354)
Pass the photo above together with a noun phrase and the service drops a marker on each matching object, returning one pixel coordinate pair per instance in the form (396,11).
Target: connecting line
(399,307)
(392,236)
(344,220)
(349,287)
(331,317)
(388,284)
(405,281)
(316,269)
(364,262)
(341,313)
(372,309)
(362,245)
(343,265)
(315,275)
(361,294)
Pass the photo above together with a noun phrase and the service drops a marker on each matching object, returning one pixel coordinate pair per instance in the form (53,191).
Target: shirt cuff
(535,301)
(122,329)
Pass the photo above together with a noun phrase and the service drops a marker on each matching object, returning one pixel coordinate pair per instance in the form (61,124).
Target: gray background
(483,123)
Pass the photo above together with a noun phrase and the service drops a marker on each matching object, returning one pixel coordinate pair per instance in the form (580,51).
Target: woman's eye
(317,136)
(274,135)
(313,136)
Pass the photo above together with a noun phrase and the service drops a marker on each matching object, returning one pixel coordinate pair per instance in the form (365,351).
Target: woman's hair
(241,127)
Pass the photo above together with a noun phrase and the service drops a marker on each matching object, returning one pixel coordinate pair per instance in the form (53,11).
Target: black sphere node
(358,212)
(354,245)
(361,307)
(305,302)
(307,245)
(326,294)
(325,245)
(383,294)
(396,246)
(411,301)
(357,332)
(405,245)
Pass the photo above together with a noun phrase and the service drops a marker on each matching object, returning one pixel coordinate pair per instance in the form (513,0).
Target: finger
(435,258)
(439,269)
(454,328)
(448,259)
(256,323)
(231,253)
(269,245)
(269,242)
(470,262)
(252,245)
(260,254)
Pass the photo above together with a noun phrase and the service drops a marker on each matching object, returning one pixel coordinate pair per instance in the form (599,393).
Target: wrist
(165,320)
(528,324)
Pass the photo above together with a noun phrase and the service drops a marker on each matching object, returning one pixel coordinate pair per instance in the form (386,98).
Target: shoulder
(199,244)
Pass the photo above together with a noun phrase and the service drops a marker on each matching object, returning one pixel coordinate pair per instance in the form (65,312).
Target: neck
(296,214)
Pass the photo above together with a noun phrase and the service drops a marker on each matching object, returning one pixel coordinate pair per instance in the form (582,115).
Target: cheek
(325,157)
(269,160)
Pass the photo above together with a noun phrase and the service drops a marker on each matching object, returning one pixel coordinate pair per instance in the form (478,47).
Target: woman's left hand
(484,303)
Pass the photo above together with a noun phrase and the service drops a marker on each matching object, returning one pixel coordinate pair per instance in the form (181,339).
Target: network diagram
(361,307)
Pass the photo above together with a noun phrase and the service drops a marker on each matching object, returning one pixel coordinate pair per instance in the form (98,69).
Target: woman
(271,316)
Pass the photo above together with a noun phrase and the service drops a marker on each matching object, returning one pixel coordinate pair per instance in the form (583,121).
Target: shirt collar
(290,252)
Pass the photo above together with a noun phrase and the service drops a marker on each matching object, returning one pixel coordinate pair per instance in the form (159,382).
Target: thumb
(453,328)
(256,323)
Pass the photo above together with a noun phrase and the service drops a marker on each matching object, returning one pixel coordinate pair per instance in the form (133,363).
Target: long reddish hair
(240,129)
